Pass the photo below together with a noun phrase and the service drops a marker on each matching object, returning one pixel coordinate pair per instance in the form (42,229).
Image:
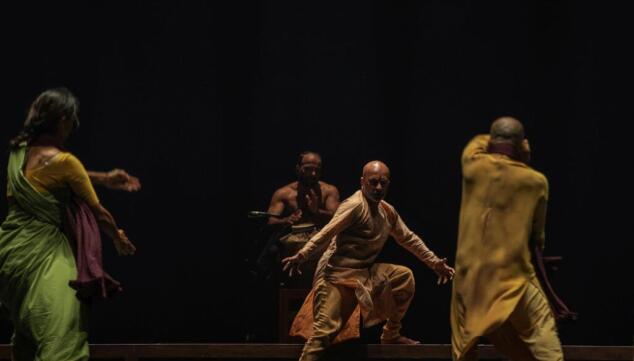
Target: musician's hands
(292,264)
(312,201)
(294,217)
(445,272)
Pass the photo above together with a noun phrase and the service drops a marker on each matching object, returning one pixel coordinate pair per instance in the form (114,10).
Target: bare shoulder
(327,189)
(39,156)
(44,152)
(286,191)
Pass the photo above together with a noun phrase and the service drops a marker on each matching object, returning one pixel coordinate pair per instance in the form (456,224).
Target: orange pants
(334,304)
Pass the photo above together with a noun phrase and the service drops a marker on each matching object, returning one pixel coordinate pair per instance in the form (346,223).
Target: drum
(303,227)
(290,244)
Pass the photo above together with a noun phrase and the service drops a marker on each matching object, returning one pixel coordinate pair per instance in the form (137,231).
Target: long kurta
(356,238)
(503,208)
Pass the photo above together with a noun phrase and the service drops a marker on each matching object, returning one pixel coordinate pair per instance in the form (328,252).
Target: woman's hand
(123,245)
(121,180)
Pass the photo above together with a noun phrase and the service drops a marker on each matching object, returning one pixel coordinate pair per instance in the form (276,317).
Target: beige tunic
(356,238)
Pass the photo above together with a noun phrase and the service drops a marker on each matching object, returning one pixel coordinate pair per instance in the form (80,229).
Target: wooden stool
(290,301)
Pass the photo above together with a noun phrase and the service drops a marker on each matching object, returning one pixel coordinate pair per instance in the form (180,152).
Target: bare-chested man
(307,200)
(306,204)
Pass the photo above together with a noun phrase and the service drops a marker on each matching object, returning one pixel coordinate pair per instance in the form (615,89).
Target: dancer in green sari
(37,262)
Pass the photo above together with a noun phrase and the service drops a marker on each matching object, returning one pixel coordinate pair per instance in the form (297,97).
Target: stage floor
(133,352)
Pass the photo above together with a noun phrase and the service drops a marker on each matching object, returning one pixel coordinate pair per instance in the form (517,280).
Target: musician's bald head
(375,180)
(507,130)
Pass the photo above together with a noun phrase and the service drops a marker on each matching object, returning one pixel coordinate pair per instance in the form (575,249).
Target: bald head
(375,181)
(375,167)
(507,129)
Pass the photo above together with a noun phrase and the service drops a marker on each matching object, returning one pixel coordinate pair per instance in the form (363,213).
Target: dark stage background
(209,103)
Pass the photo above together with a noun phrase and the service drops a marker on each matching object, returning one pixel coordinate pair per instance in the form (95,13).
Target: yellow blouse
(63,170)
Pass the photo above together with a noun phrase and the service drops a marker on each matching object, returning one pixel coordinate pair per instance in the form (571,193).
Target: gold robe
(503,208)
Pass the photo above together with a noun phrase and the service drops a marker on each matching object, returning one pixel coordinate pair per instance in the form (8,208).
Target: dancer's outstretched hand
(292,264)
(444,271)
(121,180)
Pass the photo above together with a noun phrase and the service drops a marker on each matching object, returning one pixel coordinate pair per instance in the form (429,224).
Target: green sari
(36,265)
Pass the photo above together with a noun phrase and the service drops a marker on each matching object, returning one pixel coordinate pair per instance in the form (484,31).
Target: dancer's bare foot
(400,340)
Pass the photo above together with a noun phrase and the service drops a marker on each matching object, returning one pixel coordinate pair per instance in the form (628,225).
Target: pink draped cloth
(82,228)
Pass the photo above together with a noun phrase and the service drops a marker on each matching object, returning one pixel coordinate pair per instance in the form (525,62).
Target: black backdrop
(210,102)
